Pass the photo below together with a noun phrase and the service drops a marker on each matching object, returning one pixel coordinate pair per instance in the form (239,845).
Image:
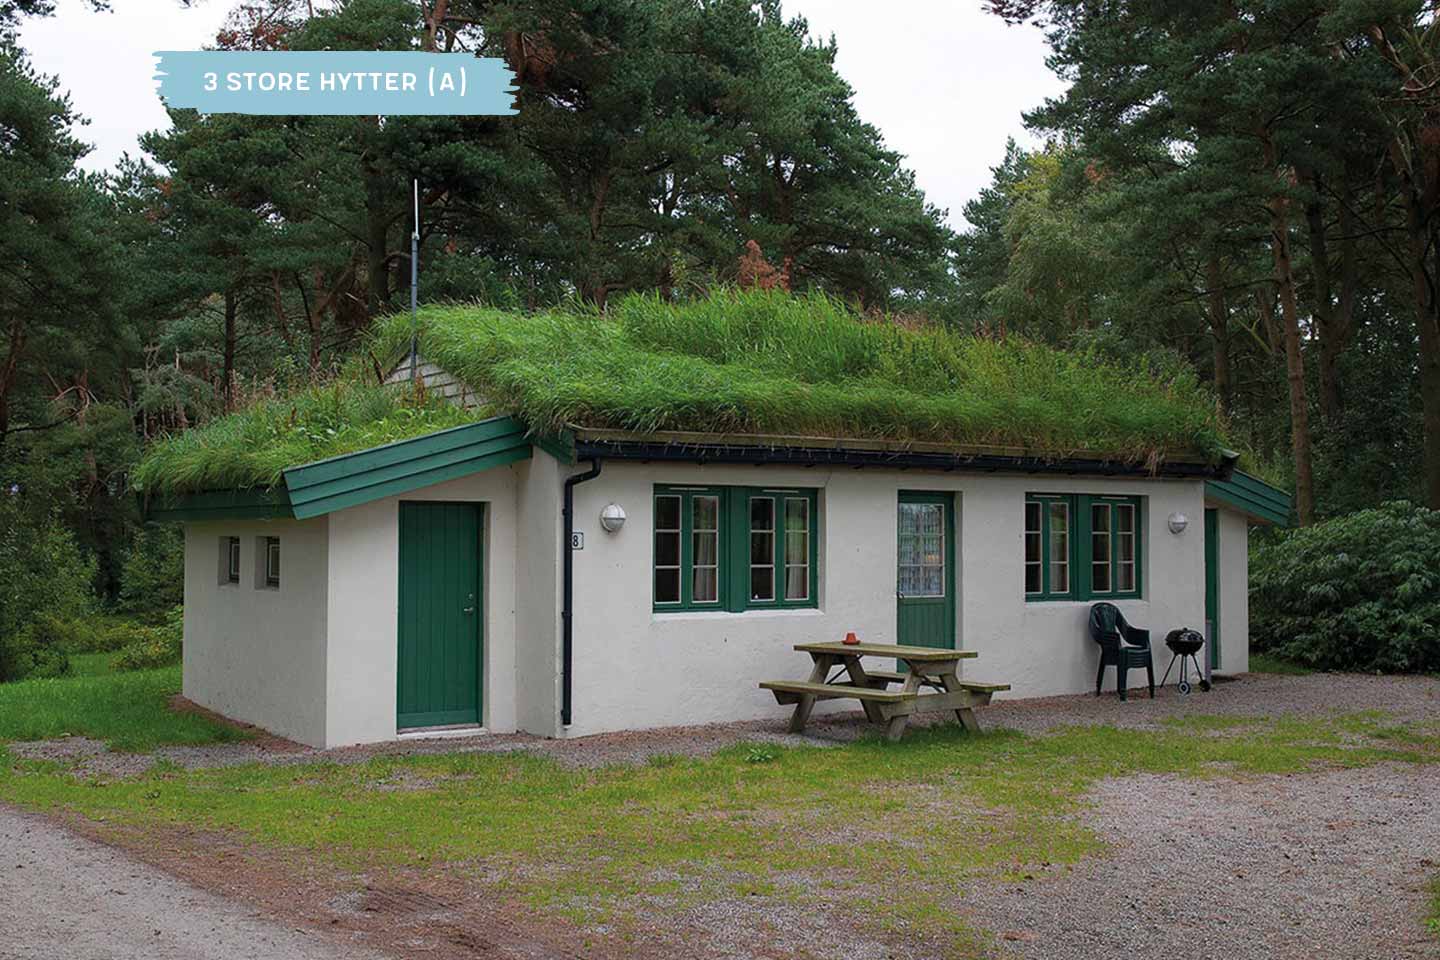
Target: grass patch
(92,664)
(806,825)
(1264,663)
(734,362)
(129,711)
(252,447)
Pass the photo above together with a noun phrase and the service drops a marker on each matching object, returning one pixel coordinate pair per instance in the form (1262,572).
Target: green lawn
(127,710)
(599,844)
(1433,920)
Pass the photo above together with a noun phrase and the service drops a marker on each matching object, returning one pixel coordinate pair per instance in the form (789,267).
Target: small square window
(229,560)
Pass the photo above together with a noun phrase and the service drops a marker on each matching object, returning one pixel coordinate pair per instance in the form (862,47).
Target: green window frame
(1083,547)
(734,548)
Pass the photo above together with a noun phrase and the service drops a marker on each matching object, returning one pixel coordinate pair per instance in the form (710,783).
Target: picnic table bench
(926,668)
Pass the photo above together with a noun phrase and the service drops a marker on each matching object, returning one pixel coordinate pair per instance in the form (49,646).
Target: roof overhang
(759,449)
(1259,501)
(351,479)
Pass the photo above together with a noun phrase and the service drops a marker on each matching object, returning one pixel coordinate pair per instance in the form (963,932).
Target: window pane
(1032,578)
(667,513)
(797,548)
(797,515)
(762,583)
(762,513)
(667,548)
(1032,518)
(762,549)
(1032,547)
(707,513)
(706,585)
(797,583)
(234,572)
(707,552)
(667,585)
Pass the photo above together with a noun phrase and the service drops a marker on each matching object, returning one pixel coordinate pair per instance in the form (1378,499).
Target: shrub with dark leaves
(1359,592)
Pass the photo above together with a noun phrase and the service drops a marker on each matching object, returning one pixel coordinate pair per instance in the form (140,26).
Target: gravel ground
(1304,867)
(1317,865)
(68,897)
(1406,699)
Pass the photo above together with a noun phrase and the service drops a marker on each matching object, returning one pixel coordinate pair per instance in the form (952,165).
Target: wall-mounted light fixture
(1178,522)
(612,518)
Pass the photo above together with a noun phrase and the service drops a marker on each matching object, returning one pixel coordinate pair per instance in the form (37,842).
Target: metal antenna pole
(415,287)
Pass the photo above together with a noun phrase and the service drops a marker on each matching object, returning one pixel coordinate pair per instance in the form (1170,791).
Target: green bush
(37,650)
(45,579)
(152,579)
(152,647)
(1360,592)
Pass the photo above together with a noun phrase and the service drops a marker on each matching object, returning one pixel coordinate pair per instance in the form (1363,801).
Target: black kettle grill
(1185,644)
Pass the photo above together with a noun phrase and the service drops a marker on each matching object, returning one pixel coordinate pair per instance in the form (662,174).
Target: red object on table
(851,639)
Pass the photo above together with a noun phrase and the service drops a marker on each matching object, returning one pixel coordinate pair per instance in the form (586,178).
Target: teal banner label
(336,83)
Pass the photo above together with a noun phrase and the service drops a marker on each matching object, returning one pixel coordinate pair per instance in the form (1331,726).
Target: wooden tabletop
(918,654)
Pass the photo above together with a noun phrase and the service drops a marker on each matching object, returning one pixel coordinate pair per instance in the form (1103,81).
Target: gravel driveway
(1324,864)
(67,897)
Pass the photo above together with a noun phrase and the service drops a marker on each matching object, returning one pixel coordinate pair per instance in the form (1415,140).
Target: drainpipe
(567,603)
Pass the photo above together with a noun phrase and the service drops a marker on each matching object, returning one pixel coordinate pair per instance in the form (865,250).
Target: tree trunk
(1219,316)
(1290,328)
(228,390)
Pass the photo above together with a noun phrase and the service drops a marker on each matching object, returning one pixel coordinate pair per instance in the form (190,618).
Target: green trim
(260,504)
(733,593)
(1255,498)
(560,445)
(395,468)
(1081,558)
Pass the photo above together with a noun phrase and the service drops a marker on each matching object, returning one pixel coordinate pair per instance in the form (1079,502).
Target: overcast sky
(943,81)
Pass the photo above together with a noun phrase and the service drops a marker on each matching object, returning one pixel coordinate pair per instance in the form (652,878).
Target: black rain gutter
(567,603)
(893,459)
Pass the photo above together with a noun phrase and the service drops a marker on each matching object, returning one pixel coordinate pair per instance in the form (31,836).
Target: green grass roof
(735,363)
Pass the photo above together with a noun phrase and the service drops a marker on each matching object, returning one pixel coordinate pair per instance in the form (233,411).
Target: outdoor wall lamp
(1178,522)
(612,518)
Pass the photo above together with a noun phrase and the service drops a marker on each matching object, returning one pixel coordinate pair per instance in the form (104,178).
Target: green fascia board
(1253,497)
(395,468)
(560,445)
(258,504)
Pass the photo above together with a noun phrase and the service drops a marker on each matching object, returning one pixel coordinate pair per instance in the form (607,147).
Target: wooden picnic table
(838,673)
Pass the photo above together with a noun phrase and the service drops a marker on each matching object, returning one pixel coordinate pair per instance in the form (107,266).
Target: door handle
(468,610)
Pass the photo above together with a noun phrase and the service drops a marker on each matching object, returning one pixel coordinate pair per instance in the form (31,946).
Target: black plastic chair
(1121,646)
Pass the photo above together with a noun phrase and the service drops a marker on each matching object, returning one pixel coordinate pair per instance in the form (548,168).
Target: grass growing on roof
(747,362)
(253,446)
(761,362)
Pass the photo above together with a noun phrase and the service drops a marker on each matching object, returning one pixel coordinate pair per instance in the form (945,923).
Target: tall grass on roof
(253,446)
(737,362)
(758,362)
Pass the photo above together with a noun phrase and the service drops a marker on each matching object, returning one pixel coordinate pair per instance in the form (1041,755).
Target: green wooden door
(925,570)
(1212,584)
(440,615)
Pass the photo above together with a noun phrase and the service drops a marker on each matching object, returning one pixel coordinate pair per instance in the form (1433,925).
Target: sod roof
(752,363)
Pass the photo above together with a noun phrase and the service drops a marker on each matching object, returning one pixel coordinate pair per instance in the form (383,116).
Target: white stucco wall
(636,668)
(363,608)
(539,488)
(1234,557)
(258,655)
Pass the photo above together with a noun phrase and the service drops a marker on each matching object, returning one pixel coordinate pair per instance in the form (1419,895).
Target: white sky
(943,81)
